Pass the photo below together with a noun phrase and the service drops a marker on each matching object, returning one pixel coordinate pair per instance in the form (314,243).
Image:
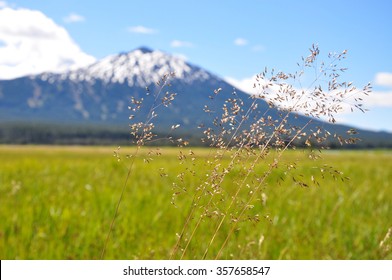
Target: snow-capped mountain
(141,67)
(101,92)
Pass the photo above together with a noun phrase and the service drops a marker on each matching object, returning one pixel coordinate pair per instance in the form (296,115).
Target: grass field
(58,202)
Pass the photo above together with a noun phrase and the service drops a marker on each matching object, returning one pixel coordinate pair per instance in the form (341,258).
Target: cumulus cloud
(383,79)
(381,98)
(181,44)
(32,43)
(374,99)
(141,29)
(240,42)
(378,99)
(73,17)
(376,102)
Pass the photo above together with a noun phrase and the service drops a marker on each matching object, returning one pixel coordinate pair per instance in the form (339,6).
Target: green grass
(58,202)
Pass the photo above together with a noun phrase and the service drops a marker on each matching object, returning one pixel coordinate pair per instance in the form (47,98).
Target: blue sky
(235,39)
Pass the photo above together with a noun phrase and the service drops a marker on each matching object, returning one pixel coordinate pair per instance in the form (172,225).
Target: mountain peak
(140,67)
(145,49)
(142,49)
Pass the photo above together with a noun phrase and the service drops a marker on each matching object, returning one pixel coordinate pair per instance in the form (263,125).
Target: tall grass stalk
(142,133)
(255,137)
(262,136)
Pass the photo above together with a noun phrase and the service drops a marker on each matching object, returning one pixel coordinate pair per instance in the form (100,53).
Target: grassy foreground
(58,202)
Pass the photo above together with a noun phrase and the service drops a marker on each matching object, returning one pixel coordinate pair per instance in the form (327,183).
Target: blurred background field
(57,202)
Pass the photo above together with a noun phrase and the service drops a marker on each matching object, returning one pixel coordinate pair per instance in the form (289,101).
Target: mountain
(98,96)
(101,92)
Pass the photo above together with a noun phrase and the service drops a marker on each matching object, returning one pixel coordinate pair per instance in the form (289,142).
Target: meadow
(57,202)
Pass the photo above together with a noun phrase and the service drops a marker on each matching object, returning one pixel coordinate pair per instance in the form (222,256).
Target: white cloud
(32,43)
(383,79)
(376,102)
(73,17)
(181,44)
(141,29)
(3,4)
(240,42)
(381,99)
(376,99)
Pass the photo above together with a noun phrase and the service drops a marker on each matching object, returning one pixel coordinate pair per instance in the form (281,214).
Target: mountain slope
(101,93)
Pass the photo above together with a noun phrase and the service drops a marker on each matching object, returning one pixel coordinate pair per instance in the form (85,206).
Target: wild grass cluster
(248,139)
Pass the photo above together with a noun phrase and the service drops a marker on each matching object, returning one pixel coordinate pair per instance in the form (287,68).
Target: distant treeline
(63,134)
(74,134)
(70,134)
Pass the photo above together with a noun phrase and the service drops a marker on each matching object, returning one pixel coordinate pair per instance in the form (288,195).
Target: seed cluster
(248,139)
